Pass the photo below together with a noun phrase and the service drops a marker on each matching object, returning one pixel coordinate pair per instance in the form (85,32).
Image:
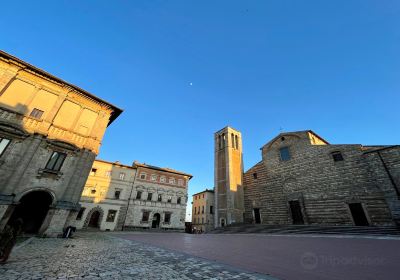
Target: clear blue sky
(329,66)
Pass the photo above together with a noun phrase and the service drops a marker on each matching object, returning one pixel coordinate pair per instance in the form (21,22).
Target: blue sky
(182,70)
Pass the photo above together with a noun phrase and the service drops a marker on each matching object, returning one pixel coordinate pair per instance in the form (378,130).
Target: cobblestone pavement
(99,256)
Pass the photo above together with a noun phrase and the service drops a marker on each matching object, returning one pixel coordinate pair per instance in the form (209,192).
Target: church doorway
(94,220)
(257,216)
(32,209)
(156,221)
(297,215)
(358,214)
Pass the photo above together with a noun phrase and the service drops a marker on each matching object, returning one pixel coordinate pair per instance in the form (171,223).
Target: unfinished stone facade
(302,179)
(50,133)
(140,196)
(203,211)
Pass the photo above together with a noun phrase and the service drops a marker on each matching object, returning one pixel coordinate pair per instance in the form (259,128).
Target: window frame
(337,156)
(36,114)
(139,195)
(144,175)
(179,200)
(114,215)
(149,196)
(5,146)
(169,215)
(119,191)
(147,215)
(58,162)
(122,175)
(289,156)
(159,198)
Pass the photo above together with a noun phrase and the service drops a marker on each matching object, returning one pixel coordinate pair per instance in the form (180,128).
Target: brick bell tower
(228,177)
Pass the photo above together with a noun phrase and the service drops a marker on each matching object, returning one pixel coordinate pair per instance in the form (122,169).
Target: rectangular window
(149,196)
(145,216)
(3,144)
(143,176)
(337,156)
(108,173)
(180,182)
(139,195)
(169,199)
(159,197)
(121,176)
(153,177)
(172,181)
(254,175)
(202,209)
(80,214)
(162,179)
(117,194)
(36,113)
(167,218)
(211,210)
(285,154)
(178,201)
(56,161)
(111,215)
(93,172)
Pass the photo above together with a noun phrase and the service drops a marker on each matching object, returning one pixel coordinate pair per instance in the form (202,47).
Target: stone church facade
(50,134)
(141,196)
(302,179)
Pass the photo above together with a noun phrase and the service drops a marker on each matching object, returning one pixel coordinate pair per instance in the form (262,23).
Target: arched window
(237,142)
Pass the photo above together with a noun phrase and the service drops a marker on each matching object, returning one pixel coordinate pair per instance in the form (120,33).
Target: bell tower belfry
(228,177)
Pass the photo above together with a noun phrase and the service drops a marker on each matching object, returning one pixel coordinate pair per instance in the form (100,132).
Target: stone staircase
(308,229)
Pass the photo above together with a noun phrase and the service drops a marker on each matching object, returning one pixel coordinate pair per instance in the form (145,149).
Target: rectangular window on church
(337,156)
(285,154)
(111,215)
(149,196)
(139,195)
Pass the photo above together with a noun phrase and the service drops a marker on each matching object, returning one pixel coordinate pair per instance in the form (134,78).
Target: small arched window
(233,140)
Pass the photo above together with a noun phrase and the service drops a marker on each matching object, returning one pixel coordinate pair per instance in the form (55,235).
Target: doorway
(222,222)
(257,216)
(156,221)
(358,214)
(297,215)
(32,209)
(94,220)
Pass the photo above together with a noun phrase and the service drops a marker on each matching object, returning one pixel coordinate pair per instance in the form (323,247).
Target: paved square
(102,256)
(289,257)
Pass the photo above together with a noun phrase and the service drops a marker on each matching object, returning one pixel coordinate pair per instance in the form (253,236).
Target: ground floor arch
(94,218)
(32,209)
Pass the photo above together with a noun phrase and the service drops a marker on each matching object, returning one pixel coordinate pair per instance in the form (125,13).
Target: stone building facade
(228,177)
(203,210)
(141,196)
(105,196)
(302,179)
(50,134)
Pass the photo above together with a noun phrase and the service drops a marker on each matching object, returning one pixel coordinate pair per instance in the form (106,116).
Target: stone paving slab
(99,256)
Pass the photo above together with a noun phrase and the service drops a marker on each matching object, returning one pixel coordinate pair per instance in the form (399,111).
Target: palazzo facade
(50,134)
(141,196)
